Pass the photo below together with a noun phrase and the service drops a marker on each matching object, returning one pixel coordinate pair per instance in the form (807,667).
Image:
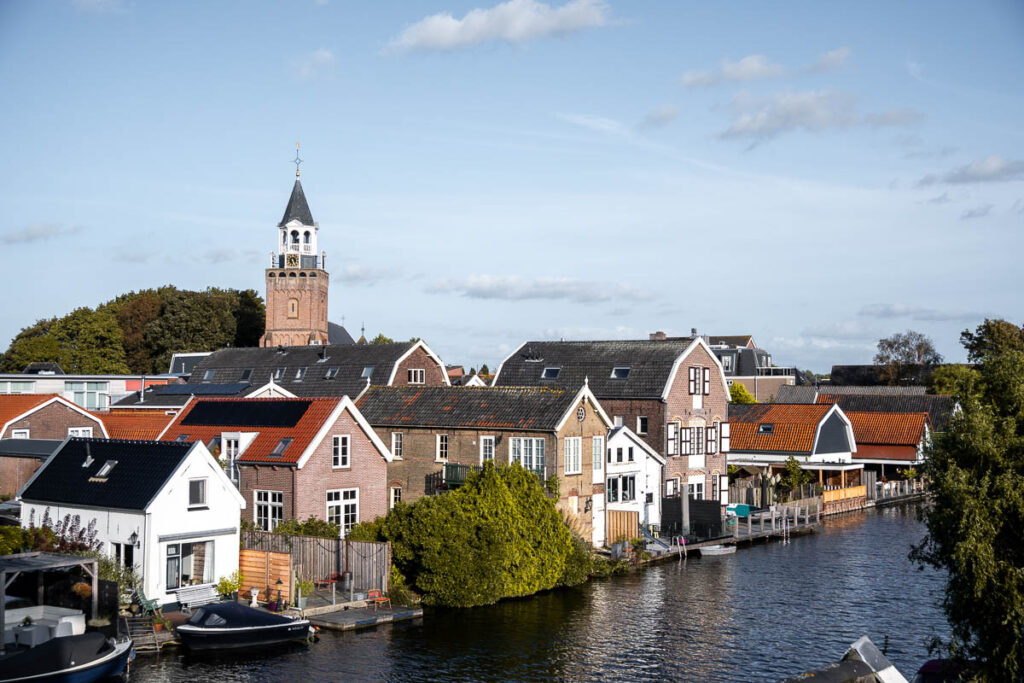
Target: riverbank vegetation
(976,525)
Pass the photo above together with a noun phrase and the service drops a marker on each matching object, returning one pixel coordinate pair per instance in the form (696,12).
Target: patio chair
(377,598)
(147,606)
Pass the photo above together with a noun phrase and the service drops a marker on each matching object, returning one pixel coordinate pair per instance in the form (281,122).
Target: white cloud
(515,288)
(37,232)
(758,67)
(761,118)
(939,199)
(660,117)
(515,21)
(976,212)
(358,273)
(314,63)
(596,123)
(993,169)
(920,313)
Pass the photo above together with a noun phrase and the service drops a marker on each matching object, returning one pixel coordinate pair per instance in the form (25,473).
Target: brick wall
(53,422)
(763,388)
(631,409)
(580,485)
(270,477)
(434,373)
(311,295)
(15,472)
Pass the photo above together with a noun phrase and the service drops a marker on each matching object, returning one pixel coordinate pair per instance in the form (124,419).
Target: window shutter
(673,438)
(693,381)
(724,439)
(698,439)
(712,446)
(687,433)
(707,381)
(724,489)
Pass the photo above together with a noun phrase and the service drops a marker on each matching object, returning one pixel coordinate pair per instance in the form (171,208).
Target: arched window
(302,275)
(295,236)
(271,274)
(293,308)
(305,237)
(312,274)
(291,274)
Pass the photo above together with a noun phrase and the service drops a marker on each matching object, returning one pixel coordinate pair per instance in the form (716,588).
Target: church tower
(296,279)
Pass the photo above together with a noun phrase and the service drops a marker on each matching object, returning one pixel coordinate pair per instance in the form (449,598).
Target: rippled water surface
(761,614)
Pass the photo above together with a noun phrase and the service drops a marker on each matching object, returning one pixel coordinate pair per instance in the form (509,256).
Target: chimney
(693,331)
(657,336)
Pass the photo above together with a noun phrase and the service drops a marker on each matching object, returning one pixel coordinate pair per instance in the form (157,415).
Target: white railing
(776,372)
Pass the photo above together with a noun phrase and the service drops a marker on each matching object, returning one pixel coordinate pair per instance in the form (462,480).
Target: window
(367,372)
(300,374)
(712,440)
(620,373)
(280,448)
(572,453)
(293,308)
(340,456)
(685,445)
(269,509)
(486,449)
(278,373)
(641,424)
(189,564)
(173,565)
(706,374)
(612,490)
(723,433)
(698,440)
(629,453)
(396,495)
(621,489)
(343,508)
(441,448)
(124,554)
(105,470)
(197,493)
(727,362)
(17,387)
(89,395)
(618,455)
(766,428)
(696,487)
(672,486)
(24,433)
(208,375)
(230,453)
(618,420)
(396,445)
(691,386)
(417,376)
(672,438)
(527,452)
(597,451)
(550,373)
(331,373)
(246,375)
(181,438)
(715,480)
(628,488)
(695,386)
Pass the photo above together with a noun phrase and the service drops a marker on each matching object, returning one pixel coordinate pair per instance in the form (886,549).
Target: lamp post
(279,583)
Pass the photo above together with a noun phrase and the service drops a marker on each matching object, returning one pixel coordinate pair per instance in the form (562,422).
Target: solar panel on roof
(201,389)
(247,413)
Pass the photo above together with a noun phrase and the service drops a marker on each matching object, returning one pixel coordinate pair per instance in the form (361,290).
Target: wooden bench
(191,597)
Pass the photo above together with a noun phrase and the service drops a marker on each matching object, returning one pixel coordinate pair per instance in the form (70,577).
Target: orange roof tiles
(13,405)
(891,429)
(870,451)
(793,427)
(141,426)
(302,433)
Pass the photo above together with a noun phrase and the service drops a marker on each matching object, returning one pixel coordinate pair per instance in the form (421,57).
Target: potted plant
(27,621)
(228,585)
(305,590)
(82,590)
(158,624)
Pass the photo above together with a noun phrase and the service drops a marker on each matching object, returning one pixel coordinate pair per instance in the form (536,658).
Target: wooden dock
(356,618)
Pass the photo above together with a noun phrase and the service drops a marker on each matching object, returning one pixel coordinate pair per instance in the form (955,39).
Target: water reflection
(761,614)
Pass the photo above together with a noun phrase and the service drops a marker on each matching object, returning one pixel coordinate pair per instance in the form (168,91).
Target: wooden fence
(836,495)
(622,523)
(314,558)
(262,569)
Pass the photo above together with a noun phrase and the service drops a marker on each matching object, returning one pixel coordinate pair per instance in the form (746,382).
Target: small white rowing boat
(717,550)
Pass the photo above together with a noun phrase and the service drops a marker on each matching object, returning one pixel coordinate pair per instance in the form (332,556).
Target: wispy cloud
(361,274)
(939,199)
(314,63)
(919,313)
(993,169)
(98,6)
(37,232)
(595,123)
(758,67)
(976,212)
(515,288)
(515,21)
(660,117)
(761,118)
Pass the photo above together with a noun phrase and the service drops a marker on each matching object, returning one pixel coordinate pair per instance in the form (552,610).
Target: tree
(381,339)
(484,370)
(976,523)
(133,314)
(954,380)
(34,344)
(991,338)
(738,393)
(89,343)
(191,321)
(903,350)
(794,476)
(250,318)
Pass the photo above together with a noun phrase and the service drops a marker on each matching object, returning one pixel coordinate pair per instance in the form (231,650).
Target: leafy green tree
(381,339)
(976,523)
(794,476)
(900,352)
(992,337)
(250,318)
(738,394)
(134,312)
(34,344)
(484,370)
(954,380)
(191,321)
(89,343)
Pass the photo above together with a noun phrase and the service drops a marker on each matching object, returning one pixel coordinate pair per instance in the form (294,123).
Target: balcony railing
(454,475)
(776,372)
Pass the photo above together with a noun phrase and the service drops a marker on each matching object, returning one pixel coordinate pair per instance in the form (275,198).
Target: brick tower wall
(308,288)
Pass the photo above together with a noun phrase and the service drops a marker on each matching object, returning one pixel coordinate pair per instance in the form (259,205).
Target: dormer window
(416,376)
(246,375)
(278,373)
(300,374)
(367,372)
(105,470)
(208,375)
(280,448)
(550,373)
(182,438)
(766,428)
(620,373)
(331,373)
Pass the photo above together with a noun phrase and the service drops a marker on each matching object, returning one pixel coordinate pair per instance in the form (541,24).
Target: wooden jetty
(146,639)
(359,617)
(782,521)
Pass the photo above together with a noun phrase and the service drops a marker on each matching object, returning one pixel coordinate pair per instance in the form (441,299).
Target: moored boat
(717,550)
(231,625)
(69,659)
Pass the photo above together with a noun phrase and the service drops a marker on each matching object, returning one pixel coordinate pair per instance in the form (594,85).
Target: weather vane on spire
(297,160)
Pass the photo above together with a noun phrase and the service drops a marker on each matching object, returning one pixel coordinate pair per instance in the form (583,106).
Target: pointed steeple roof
(297,208)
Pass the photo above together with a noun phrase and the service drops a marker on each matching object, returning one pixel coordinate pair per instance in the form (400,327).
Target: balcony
(454,475)
(776,372)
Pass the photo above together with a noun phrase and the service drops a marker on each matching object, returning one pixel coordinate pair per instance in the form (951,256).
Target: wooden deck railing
(842,494)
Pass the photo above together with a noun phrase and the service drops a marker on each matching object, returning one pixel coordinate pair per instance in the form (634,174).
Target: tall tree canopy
(138,332)
(902,351)
(990,338)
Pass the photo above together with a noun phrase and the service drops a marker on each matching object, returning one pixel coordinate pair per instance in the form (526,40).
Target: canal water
(761,614)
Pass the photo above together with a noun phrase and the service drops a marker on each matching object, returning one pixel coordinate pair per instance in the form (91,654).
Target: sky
(818,175)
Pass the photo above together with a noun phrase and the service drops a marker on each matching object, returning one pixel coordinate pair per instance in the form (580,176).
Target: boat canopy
(56,655)
(233,615)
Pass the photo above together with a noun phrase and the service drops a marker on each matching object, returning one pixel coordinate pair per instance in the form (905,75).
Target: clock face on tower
(292,260)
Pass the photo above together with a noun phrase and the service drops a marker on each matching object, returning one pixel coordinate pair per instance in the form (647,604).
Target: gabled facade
(890,440)
(165,509)
(91,392)
(672,393)
(633,476)
(553,432)
(293,458)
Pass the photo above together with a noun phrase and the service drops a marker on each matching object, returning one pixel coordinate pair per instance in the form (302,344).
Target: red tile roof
(870,451)
(13,405)
(141,426)
(302,433)
(890,429)
(793,427)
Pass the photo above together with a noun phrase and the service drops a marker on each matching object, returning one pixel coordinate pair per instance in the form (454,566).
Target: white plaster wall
(648,472)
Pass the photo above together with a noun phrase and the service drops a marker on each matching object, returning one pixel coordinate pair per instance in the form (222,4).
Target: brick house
(38,416)
(670,392)
(554,432)
(293,458)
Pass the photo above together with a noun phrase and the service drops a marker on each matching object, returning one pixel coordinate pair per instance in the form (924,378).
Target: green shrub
(579,564)
(230,583)
(368,531)
(314,526)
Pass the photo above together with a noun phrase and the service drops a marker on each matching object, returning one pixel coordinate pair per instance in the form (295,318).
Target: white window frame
(711,436)
(685,443)
(417,376)
(706,372)
(641,424)
(440,439)
(672,438)
(723,437)
(23,433)
(85,432)
(597,452)
(202,504)
(572,454)
(345,499)
(618,421)
(486,449)
(394,496)
(341,452)
(727,362)
(528,452)
(270,504)
(397,444)
(695,486)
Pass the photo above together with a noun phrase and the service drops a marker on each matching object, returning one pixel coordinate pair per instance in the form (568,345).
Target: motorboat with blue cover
(229,625)
(69,659)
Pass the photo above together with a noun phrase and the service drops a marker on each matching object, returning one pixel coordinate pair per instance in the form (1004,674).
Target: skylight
(620,373)
(331,373)
(280,447)
(550,373)
(246,375)
(367,372)
(300,374)
(105,470)
(766,428)
(278,373)
(182,438)
(208,375)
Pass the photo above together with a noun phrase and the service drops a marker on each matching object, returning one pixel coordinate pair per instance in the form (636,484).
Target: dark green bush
(579,564)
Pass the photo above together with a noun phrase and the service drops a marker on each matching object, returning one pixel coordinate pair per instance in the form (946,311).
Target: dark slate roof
(868,375)
(650,364)
(42,369)
(526,408)
(730,340)
(40,449)
(939,408)
(153,399)
(336,334)
(297,208)
(794,394)
(739,411)
(350,360)
(143,467)
(183,363)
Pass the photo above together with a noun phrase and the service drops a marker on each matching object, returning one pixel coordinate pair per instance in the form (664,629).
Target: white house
(165,508)
(633,475)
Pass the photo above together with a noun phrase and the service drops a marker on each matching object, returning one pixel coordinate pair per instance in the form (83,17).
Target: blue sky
(816,174)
